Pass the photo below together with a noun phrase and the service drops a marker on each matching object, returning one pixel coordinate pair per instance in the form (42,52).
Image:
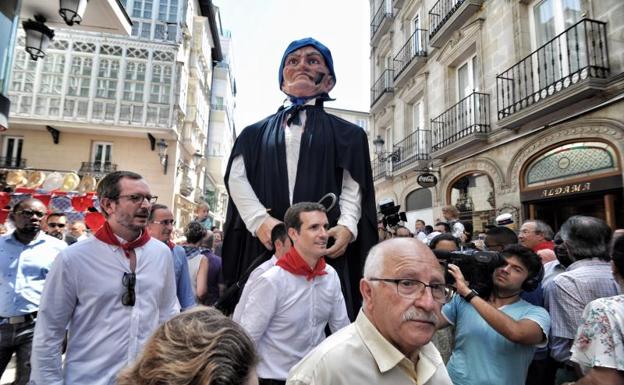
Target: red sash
(106,235)
(294,264)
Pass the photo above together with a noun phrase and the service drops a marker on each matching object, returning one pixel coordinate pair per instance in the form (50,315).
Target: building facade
(100,102)
(515,106)
(221,130)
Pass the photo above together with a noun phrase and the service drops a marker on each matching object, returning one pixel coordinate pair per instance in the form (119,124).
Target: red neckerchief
(550,245)
(106,235)
(294,264)
(170,244)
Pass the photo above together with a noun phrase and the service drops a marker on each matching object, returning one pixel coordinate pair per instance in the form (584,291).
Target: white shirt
(285,315)
(359,354)
(258,271)
(83,294)
(251,210)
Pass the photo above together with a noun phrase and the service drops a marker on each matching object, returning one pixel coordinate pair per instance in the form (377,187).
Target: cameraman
(495,337)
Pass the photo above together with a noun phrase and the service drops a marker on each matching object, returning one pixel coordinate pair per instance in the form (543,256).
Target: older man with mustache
(110,292)
(389,343)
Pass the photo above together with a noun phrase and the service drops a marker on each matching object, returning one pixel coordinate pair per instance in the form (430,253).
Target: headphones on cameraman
(533,282)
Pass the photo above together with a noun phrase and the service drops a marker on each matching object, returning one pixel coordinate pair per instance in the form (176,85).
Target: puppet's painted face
(306,74)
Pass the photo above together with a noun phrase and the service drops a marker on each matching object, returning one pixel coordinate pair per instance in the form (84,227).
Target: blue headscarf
(308,41)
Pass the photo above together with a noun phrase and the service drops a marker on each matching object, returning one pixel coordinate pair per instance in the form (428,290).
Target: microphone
(319,78)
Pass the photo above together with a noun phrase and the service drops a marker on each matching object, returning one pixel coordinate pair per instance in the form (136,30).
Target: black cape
(329,145)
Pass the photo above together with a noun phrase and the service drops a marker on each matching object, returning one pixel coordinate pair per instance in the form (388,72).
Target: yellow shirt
(359,354)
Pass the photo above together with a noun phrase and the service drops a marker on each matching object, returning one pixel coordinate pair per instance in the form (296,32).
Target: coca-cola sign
(427,180)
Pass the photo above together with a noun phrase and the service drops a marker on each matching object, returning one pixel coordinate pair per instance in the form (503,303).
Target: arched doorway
(474,196)
(573,178)
(419,205)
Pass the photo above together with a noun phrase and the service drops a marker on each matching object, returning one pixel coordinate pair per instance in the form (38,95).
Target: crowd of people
(303,292)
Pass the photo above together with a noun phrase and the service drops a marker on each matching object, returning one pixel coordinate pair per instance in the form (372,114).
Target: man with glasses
(55,225)
(538,236)
(27,256)
(389,343)
(496,336)
(160,226)
(110,292)
(290,305)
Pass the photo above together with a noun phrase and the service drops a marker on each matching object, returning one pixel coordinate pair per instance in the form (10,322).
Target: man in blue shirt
(26,256)
(496,336)
(160,226)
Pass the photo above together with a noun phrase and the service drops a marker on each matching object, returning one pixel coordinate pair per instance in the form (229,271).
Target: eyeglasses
(31,213)
(129,281)
(414,289)
(166,222)
(139,198)
(59,225)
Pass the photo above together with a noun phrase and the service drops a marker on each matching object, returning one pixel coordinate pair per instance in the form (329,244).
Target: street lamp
(162,153)
(384,155)
(72,11)
(38,36)
(197,158)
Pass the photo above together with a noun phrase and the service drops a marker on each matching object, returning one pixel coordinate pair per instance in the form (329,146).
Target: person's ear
(105,205)
(293,234)
(366,289)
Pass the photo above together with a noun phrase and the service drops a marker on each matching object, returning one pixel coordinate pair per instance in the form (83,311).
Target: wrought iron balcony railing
(579,53)
(469,116)
(11,162)
(413,148)
(415,46)
(97,168)
(385,83)
(441,13)
(384,10)
(379,168)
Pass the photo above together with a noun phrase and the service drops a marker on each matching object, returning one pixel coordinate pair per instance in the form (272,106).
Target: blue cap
(308,41)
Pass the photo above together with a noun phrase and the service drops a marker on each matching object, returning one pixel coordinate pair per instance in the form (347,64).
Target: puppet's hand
(342,236)
(264,231)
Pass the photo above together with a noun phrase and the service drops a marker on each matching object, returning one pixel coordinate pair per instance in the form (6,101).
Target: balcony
(97,169)
(413,150)
(381,22)
(461,126)
(571,67)
(447,16)
(383,88)
(379,169)
(411,57)
(11,162)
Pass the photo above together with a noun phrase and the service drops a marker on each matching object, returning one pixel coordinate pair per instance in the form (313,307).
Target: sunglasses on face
(31,213)
(129,281)
(59,225)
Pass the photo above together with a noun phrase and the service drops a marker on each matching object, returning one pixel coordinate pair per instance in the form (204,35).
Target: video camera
(476,266)
(391,214)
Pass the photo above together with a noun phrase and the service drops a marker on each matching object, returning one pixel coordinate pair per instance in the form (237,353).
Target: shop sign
(427,180)
(567,189)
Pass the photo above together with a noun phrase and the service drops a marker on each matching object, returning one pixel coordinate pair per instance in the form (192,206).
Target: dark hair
(617,254)
(428,229)
(194,232)
(421,221)
(278,234)
(529,259)
(502,235)
(109,186)
(156,206)
(468,230)
(586,237)
(447,227)
(292,218)
(208,240)
(21,203)
(57,214)
(443,237)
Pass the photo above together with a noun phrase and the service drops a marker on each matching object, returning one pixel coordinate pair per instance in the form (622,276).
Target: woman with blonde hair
(198,347)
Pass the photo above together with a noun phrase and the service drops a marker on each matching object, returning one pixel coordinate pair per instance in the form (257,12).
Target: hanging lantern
(72,11)
(38,36)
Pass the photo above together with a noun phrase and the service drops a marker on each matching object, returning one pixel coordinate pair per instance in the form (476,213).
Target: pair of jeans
(17,338)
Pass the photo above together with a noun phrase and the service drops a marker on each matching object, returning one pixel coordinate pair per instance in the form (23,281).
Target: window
(79,76)
(101,155)
(52,74)
(134,82)
(107,79)
(467,78)
(12,151)
(161,84)
(418,200)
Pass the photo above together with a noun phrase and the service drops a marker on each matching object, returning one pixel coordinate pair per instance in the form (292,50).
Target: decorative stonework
(607,129)
(484,165)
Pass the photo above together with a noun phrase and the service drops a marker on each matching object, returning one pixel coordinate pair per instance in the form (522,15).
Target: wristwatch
(468,297)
